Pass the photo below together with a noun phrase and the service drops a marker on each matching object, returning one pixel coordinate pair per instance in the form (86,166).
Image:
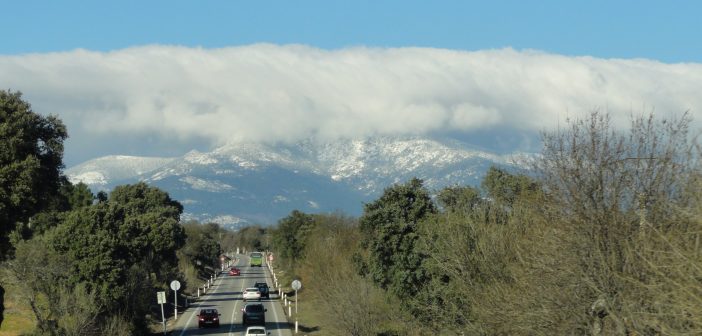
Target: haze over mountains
(256,183)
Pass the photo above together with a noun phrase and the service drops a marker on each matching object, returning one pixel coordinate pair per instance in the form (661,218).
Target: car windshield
(257,331)
(252,289)
(256,255)
(208,312)
(254,309)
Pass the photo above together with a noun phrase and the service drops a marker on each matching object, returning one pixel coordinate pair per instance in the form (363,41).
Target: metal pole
(163,319)
(175,307)
(296,298)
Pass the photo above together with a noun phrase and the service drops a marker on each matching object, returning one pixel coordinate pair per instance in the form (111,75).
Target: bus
(256,259)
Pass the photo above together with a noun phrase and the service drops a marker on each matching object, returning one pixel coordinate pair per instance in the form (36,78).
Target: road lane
(225,296)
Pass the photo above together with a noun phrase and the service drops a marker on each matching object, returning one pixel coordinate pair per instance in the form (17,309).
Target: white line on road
(234,311)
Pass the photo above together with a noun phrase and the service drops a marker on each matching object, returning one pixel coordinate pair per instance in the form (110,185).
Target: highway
(225,296)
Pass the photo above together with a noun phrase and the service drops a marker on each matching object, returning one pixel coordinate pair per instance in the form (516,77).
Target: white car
(256,331)
(252,294)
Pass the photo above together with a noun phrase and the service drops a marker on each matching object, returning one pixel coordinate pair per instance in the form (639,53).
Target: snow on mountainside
(260,183)
(105,170)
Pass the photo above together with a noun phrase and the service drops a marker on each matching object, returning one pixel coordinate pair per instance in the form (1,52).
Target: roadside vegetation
(75,263)
(601,237)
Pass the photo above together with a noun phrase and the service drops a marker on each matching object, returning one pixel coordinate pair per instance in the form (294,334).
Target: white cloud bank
(286,93)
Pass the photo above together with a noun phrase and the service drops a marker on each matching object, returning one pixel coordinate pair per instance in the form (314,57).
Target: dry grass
(18,318)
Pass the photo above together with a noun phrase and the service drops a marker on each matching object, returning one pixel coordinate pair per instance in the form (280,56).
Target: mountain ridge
(238,184)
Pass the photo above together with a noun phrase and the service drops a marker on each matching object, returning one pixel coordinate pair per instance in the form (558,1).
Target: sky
(161,78)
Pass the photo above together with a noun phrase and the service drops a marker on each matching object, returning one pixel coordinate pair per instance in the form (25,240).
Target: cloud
(286,93)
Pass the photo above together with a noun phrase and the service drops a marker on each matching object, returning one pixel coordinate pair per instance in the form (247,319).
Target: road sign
(296,285)
(161,297)
(175,285)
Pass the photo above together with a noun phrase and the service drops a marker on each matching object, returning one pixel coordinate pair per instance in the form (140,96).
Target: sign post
(175,286)
(161,297)
(296,285)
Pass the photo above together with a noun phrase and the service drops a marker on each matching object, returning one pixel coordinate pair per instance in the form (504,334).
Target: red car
(234,271)
(208,318)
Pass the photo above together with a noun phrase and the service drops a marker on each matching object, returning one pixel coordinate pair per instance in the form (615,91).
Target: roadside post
(161,297)
(175,286)
(296,285)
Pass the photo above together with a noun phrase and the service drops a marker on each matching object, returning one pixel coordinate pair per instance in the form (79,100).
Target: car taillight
(215,319)
(202,319)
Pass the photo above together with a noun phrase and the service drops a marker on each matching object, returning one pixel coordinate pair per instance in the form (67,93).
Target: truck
(256,259)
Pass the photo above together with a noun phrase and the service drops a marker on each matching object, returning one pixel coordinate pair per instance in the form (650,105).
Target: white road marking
(235,309)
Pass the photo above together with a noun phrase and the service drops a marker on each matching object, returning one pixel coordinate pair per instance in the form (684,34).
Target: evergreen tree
(389,226)
(31,154)
(290,237)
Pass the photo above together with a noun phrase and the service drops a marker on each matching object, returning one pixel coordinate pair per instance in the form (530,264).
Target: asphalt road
(225,296)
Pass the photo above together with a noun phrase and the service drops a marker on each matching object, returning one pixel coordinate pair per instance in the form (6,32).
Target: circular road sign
(175,285)
(296,284)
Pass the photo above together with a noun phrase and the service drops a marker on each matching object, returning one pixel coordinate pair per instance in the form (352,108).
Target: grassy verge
(309,318)
(18,320)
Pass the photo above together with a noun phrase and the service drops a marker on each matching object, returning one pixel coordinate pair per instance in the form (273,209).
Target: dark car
(263,288)
(253,313)
(208,318)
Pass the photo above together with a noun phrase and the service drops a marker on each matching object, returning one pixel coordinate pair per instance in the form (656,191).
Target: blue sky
(159,78)
(660,30)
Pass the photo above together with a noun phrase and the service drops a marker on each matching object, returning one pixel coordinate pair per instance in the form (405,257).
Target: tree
(69,197)
(458,198)
(77,195)
(389,227)
(622,199)
(151,228)
(251,237)
(290,237)
(31,154)
(200,244)
(505,188)
(122,248)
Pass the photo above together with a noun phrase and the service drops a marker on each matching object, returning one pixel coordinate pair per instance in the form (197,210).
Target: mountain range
(242,184)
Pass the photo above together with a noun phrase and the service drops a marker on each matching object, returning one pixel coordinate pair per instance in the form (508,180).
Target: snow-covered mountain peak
(261,183)
(196,157)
